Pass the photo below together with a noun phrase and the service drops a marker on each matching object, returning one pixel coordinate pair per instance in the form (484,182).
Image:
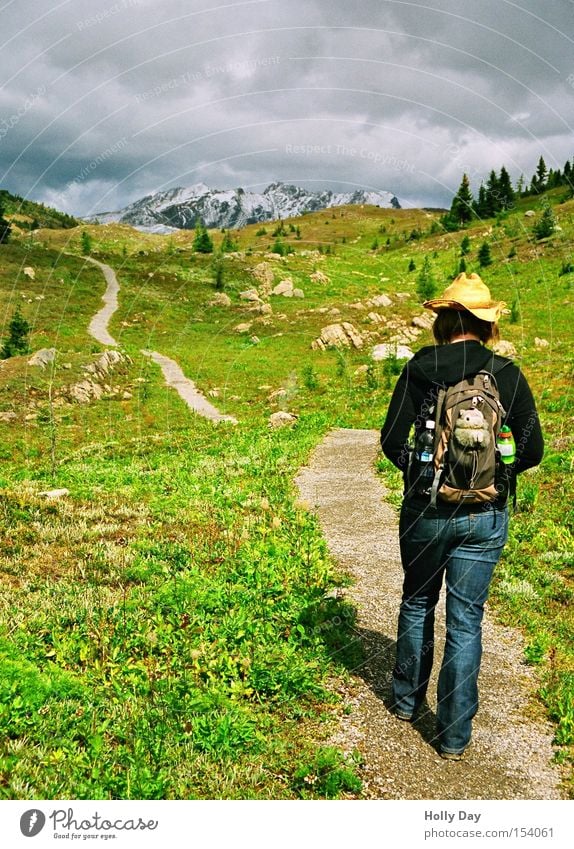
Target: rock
(215,392)
(8,416)
(380,301)
(106,362)
(244,327)
(357,306)
(54,493)
(278,393)
(281,419)
(261,309)
(264,275)
(402,296)
(250,295)
(255,340)
(127,396)
(384,351)
(334,311)
(320,277)
(541,343)
(285,287)
(529,213)
(67,366)
(84,391)
(425,321)
(375,317)
(505,349)
(298,293)
(220,299)
(29,272)
(337,335)
(360,371)
(42,357)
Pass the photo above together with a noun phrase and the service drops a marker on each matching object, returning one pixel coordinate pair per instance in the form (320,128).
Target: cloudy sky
(104,101)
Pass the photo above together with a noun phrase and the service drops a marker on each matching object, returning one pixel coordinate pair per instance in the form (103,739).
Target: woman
(461,541)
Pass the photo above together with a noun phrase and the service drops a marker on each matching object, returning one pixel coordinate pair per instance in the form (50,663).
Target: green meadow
(167,629)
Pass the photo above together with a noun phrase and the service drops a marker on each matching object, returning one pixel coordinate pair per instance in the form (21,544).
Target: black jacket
(439,365)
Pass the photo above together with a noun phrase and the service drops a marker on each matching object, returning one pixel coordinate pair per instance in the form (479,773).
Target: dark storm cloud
(105,101)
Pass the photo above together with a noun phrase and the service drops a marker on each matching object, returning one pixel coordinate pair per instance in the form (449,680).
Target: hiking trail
(172,372)
(511,751)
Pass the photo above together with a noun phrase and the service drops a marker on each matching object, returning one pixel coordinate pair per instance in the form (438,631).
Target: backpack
(467,464)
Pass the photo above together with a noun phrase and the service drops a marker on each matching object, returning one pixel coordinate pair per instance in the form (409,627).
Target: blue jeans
(465,544)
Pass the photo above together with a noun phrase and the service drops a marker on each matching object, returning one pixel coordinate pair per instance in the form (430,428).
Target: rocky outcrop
(380,301)
(320,277)
(338,335)
(220,299)
(43,357)
(285,288)
(91,388)
(281,419)
(505,349)
(383,352)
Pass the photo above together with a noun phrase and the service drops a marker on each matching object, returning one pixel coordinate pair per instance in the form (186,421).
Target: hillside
(171,628)
(29,215)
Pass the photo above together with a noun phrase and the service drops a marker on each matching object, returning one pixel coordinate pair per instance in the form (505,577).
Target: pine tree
(465,246)
(541,175)
(480,206)
(462,265)
(426,285)
(484,257)
(86,243)
(202,242)
(461,210)
(5,227)
(228,245)
(412,265)
(17,342)
(219,276)
(506,192)
(547,224)
(520,186)
(492,195)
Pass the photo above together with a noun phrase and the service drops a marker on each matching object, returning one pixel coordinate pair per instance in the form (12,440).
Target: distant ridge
(183,208)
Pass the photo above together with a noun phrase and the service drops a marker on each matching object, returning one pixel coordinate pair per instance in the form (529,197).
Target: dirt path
(172,372)
(511,749)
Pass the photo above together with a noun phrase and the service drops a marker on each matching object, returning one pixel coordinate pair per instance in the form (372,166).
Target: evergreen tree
(547,224)
(480,206)
(462,265)
(412,265)
(567,173)
(426,285)
(219,276)
(465,246)
(484,257)
(202,242)
(506,192)
(520,186)
(541,175)
(86,243)
(461,210)
(5,227)
(228,245)
(492,195)
(17,342)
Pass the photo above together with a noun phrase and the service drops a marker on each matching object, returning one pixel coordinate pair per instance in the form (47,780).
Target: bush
(17,342)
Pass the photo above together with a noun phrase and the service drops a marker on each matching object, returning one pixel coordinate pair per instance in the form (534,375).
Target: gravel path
(172,372)
(511,749)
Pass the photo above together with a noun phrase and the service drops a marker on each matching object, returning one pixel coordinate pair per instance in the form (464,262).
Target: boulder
(384,351)
(380,301)
(250,295)
(320,277)
(529,213)
(85,391)
(285,288)
(298,293)
(541,343)
(357,306)
(244,327)
(505,349)
(220,299)
(107,362)
(30,273)
(265,277)
(338,335)
(54,493)
(42,357)
(375,317)
(8,416)
(281,419)
(425,321)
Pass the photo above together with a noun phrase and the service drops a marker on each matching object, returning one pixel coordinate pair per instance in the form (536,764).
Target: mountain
(182,208)
(29,215)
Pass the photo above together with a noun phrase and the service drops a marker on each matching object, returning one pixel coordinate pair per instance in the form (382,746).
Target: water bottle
(506,445)
(424,458)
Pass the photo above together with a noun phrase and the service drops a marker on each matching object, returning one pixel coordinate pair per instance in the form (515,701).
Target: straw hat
(468,292)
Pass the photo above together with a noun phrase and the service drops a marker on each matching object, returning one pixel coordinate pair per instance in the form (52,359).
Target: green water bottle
(506,445)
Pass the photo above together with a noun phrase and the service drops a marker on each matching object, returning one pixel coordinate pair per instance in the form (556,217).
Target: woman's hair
(451,322)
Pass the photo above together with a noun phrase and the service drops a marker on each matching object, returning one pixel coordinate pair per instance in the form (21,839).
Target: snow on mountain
(183,208)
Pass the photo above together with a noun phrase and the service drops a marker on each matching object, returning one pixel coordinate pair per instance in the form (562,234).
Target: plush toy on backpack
(471,429)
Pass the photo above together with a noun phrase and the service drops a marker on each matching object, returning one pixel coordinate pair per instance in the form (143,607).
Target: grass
(166,631)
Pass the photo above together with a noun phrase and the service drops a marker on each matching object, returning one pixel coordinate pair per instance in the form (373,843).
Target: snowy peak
(182,208)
